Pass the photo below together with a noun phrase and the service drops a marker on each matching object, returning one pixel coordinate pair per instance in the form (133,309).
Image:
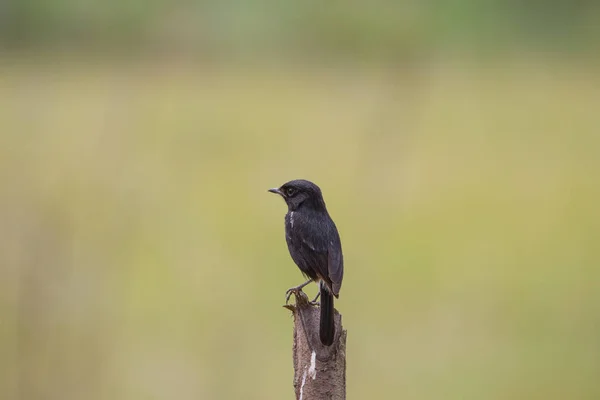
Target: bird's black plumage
(314,244)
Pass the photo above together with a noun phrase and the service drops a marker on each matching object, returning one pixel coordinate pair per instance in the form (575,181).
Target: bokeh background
(457,144)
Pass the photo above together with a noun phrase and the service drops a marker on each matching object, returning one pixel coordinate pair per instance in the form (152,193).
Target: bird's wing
(323,240)
(335,264)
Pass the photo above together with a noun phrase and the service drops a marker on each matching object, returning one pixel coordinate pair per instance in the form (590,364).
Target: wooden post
(319,371)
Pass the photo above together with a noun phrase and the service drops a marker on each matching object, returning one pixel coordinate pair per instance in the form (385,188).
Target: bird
(315,246)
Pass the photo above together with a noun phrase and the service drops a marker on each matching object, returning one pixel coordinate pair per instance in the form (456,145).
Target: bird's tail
(327,324)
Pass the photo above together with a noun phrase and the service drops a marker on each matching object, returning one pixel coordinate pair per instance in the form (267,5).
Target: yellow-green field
(142,258)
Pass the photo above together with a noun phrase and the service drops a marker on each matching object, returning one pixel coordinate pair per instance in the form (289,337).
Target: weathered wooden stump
(319,371)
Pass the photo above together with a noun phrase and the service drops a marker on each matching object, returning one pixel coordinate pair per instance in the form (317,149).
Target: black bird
(314,244)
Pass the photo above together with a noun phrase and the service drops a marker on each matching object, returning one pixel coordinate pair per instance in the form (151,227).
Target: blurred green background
(457,144)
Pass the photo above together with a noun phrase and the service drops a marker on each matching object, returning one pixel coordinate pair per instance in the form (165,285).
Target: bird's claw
(291,291)
(296,290)
(314,302)
(300,295)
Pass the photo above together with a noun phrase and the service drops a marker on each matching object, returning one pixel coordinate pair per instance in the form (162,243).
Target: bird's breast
(289,221)
(291,225)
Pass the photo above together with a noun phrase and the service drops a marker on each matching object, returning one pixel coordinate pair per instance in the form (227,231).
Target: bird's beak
(276,190)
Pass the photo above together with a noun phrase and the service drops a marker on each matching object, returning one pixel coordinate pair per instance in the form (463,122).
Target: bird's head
(299,193)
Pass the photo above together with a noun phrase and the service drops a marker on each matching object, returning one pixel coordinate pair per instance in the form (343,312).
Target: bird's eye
(290,191)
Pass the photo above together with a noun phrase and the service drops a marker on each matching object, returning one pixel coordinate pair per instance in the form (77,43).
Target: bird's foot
(295,290)
(290,291)
(314,302)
